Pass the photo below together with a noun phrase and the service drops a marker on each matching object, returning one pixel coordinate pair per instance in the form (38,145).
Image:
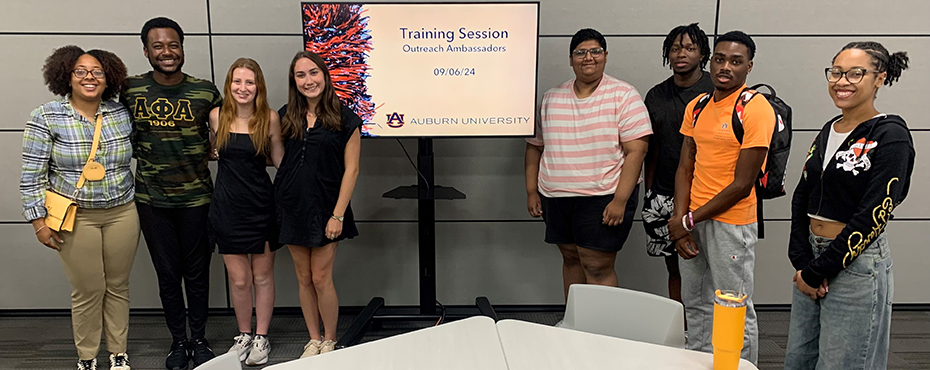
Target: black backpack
(771,181)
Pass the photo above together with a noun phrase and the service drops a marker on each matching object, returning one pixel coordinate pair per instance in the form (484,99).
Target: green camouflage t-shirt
(171,140)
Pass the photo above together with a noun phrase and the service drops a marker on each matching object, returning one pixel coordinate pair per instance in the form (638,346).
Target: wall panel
(99,16)
(825,17)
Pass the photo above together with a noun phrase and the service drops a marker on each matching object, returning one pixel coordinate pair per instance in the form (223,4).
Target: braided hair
(892,63)
(697,36)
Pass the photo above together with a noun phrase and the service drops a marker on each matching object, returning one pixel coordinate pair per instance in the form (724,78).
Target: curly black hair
(59,65)
(160,22)
(697,36)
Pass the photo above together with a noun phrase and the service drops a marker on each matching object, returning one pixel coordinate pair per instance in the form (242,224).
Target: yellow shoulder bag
(61,209)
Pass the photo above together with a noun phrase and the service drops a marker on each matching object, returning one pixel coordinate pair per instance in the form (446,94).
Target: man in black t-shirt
(686,51)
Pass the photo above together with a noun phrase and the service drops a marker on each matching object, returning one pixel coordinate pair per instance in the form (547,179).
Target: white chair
(624,313)
(226,361)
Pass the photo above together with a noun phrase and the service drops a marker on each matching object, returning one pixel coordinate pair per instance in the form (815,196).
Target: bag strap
(703,99)
(771,89)
(93,150)
(738,109)
(760,216)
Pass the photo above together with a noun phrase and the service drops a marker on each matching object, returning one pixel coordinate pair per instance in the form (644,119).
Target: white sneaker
(327,346)
(119,361)
(560,323)
(312,348)
(261,347)
(242,345)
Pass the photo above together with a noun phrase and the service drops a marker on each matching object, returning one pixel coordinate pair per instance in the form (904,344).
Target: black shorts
(579,221)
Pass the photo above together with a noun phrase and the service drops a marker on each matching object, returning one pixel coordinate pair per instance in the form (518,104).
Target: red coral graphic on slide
(339,34)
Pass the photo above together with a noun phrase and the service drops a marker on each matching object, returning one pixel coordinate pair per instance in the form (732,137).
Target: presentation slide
(431,70)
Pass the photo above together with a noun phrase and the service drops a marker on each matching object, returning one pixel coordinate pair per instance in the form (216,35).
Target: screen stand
(426,193)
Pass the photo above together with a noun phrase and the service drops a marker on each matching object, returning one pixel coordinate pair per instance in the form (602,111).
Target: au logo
(724,126)
(395,120)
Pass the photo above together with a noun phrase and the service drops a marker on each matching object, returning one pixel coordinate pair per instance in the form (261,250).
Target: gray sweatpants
(726,260)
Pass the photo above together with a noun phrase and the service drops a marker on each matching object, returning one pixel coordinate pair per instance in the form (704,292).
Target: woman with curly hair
(98,252)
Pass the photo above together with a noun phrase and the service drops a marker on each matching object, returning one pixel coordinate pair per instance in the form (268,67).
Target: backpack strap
(738,109)
(771,89)
(703,99)
(760,217)
(737,122)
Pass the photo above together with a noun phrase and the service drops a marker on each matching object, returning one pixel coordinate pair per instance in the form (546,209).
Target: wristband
(40,229)
(691,220)
(684,223)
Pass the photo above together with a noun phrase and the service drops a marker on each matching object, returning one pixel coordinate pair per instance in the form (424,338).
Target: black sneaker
(179,357)
(87,364)
(201,351)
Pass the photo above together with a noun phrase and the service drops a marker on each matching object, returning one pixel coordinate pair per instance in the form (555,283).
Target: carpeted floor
(46,342)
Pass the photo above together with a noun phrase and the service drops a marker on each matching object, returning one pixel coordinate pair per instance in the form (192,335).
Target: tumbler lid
(730,296)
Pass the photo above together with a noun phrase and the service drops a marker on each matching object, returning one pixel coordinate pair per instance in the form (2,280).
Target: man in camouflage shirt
(170,110)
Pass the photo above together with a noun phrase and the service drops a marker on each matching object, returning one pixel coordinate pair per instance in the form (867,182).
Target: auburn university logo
(395,120)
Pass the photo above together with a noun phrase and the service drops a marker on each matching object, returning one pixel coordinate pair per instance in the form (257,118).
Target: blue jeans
(850,327)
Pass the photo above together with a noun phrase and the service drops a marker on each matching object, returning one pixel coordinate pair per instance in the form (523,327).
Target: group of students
(595,134)
(173,124)
(582,171)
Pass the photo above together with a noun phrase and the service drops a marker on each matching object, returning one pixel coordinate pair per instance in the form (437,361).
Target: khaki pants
(97,258)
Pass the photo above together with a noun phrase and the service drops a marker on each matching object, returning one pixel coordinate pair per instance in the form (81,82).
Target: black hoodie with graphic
(864,181)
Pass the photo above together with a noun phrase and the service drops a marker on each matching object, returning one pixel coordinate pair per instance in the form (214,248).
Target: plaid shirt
(56,145)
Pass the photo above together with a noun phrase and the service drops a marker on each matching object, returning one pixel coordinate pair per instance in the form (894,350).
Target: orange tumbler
(729,326)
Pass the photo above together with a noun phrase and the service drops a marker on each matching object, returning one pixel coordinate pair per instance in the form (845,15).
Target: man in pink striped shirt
(584,165)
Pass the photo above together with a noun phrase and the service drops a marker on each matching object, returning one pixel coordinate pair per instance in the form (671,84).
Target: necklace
(311,119)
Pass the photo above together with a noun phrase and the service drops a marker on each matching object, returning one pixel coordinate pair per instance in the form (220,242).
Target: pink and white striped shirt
(582,137)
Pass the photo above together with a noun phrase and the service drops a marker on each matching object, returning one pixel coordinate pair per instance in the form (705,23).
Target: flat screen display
(431,70)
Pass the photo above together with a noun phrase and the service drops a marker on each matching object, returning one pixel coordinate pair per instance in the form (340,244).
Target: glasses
(81,73)
(595,52)
(854,75)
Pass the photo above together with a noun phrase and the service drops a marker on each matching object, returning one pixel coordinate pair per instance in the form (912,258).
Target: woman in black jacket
(857,171)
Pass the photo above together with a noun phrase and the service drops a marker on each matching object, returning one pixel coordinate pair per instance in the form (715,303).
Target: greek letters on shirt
(162,112)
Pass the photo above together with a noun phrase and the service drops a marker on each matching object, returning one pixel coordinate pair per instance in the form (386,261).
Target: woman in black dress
(242,213)
(313,187)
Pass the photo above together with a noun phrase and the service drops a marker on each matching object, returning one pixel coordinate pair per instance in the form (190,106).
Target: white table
(529,346)
(466,344)
(477,343)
